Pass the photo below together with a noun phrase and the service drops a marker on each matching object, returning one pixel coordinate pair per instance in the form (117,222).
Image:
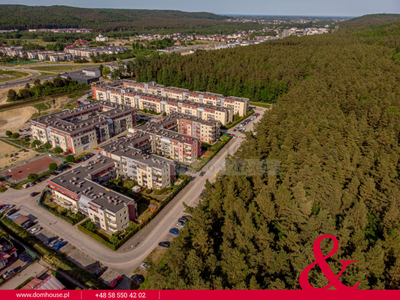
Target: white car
(55,242)
(34,230)
(180,224)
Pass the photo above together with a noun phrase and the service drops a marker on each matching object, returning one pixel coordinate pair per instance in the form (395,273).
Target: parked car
(54,242)
(116,281)
(11,212)
(180,224)
(34,230)
(144,265)
(7,274)
(164,244)
(33,194)
(29,184)
(24,257)
(181,220)
(49,240)
(202,173)
(60,245)
(174,231)
(4,208)
(136,279)
(27,225)
(187,218)
(100,271)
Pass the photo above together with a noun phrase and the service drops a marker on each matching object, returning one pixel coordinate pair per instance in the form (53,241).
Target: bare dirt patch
(15,118)
(18,155)
(4,92)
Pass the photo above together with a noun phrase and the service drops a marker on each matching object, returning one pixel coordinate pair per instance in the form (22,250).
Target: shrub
(15,135)
(70,158)
(27,139)
(90,226)
(52,167)
(33,176)
(58,150)
(47,145)
(148,191)
(36,143)
(8,133)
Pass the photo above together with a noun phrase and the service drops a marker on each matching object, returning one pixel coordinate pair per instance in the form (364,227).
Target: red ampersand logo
(320,259)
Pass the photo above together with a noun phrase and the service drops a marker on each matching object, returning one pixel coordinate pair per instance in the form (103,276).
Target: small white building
(101,38)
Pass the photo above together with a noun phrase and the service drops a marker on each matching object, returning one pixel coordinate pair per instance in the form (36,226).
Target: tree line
(323,160)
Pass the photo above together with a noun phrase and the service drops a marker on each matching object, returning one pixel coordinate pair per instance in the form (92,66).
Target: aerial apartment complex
(84,127)
(158,98)
(81,190)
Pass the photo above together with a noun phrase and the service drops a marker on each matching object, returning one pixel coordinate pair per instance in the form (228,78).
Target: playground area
(37,165)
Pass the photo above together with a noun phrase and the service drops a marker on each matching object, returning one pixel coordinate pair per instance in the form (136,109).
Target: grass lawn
(61,68)
(260,104)
(44,74)
(12,75)
(209,152)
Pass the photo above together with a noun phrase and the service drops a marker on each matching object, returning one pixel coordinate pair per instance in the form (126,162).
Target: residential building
(84,127)
(8,253)
(80,190)
(101,38)
(159,99)
(147,169)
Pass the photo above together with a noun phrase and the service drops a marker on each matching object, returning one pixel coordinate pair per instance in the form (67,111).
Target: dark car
(116,281)
(202,173)
(136,279)
(11,212)
(187,218)
(100,271)
(164,244)
(182,220)
(27,225)
(33,194)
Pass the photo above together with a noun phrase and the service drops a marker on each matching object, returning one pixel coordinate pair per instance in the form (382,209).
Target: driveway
(31,271)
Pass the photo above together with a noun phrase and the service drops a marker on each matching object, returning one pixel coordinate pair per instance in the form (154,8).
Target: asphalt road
(128,257)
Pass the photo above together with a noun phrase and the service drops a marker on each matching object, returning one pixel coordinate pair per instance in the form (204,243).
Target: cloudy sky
(255,7)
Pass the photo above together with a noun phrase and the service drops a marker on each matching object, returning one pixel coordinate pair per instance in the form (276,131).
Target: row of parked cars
(181,223)
(84,158)
(55,242)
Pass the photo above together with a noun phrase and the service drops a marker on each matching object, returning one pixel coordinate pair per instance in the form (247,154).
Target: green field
(11,75)
(61,68)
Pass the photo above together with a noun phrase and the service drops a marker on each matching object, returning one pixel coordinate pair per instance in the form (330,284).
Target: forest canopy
(335,131)
(24,17)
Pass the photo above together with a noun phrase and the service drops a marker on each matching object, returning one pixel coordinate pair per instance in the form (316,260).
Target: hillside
(334,131)
(373,19)
(24,17)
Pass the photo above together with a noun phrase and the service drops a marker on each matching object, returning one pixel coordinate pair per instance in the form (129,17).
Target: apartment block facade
(169,101)
(84,127)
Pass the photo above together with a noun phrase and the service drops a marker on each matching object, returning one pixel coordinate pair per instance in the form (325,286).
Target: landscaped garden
(143,199)
(47,203)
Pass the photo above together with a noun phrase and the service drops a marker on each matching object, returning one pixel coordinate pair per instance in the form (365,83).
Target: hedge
(98,238)
(25,282)
(81,227)
(57,259)
(240,120)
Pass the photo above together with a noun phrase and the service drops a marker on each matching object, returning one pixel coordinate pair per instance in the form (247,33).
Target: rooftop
(79,181)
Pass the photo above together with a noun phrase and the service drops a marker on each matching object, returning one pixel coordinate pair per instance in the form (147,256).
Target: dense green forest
(336,133)
(24,17)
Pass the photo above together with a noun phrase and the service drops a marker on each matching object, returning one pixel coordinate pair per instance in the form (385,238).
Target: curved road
(128,257)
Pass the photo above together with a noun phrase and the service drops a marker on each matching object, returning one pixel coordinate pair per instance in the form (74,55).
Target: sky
(255,7)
